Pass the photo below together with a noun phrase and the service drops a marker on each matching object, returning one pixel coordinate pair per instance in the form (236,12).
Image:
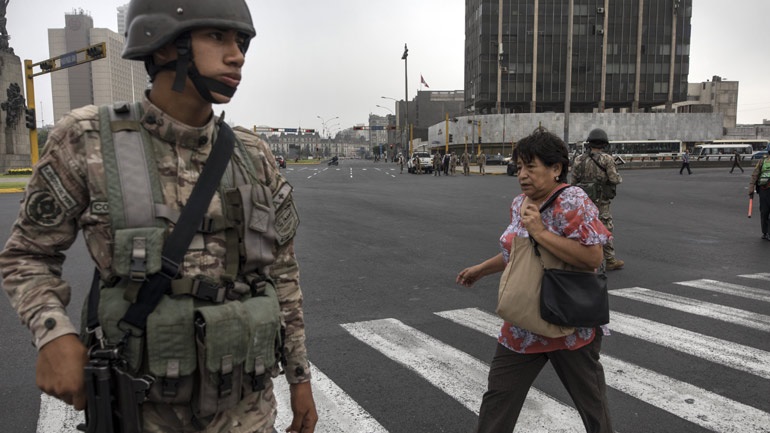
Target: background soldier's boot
(615,264)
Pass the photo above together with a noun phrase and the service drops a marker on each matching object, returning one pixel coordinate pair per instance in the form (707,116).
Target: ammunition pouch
(209,355)
(597,191)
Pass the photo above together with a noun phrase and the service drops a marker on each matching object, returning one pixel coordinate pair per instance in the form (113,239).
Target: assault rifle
(114,396)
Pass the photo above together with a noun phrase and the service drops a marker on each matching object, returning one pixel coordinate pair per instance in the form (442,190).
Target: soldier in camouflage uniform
(465,159)
(68,192)
(596,173)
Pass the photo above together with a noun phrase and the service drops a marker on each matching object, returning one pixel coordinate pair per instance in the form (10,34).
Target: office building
(627,55)
(99,82)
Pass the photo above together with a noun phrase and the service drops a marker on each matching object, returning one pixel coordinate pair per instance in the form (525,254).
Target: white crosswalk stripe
(464,378)
(761,276)
(729,289)
(723,352)
(715,311)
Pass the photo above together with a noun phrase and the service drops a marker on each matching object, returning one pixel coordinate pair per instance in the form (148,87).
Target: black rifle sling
(175,247)
(590,155)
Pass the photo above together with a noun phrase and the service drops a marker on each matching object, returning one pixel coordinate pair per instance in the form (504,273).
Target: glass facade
(523,33)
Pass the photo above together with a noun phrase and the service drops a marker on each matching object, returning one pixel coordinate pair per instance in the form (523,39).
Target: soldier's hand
(751,194)
(303,407)
(59,368)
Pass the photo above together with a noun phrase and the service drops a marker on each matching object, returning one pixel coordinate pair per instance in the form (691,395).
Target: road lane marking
(699,308)
(458,374)
(729,289)
(337,412)
(681,399)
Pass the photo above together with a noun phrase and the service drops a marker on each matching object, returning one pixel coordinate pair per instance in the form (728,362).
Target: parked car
(280,161)
(511,168)
(759,155)
(495,160)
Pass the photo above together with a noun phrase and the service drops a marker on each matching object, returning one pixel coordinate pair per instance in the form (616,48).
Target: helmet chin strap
(184,66)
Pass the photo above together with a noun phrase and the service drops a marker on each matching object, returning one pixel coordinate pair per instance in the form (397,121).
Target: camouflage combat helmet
(151,24)
(598,137)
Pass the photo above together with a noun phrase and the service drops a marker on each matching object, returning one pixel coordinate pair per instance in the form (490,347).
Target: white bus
(756,145)
(721,151)
(643,149)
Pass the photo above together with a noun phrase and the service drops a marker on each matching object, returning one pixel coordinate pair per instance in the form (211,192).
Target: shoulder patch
(43,209)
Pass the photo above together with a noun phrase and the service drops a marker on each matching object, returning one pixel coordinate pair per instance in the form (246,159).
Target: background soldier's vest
(208,342)
(764,175)
(599,189)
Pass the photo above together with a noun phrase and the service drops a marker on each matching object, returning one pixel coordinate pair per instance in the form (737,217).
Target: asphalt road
(398,347)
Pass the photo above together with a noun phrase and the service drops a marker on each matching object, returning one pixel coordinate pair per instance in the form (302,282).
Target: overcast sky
(338,58)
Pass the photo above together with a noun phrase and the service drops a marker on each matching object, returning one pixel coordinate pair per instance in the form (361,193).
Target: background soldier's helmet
(598,136)
(150,24)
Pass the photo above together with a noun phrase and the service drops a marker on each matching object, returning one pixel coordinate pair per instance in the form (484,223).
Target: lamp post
(406,90)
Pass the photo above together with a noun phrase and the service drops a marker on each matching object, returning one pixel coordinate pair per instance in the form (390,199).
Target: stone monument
(14,136)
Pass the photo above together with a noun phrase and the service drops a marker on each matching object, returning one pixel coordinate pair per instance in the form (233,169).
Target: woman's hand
(468,276)
(531,220)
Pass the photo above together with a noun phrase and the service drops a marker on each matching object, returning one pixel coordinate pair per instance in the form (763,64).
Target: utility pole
(568,90)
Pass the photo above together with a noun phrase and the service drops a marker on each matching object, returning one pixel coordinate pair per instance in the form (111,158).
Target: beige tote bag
(518,300)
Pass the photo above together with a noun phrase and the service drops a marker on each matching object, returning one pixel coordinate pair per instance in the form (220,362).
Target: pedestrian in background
(437,164)
(760,182)
(596,173)
(685,163)
(571,229)
(445,163)
(482,163)
(736,161)
(194,52)
(401,162)
(453,164)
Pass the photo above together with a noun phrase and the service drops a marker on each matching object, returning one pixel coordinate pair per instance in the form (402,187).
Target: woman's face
(536,179)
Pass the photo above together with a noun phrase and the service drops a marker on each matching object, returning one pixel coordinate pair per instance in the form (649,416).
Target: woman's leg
(510,377)
(582,374)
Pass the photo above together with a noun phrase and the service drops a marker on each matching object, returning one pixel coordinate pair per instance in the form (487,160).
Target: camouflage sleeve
(285,269)
(613,177)
(47,224)
(577,170)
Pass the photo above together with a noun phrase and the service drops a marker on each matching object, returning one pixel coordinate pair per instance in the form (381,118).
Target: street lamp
(401,125)
(406,91)
(391,111)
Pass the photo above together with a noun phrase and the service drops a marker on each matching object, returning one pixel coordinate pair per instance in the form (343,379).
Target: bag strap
(543,207)
(177,243)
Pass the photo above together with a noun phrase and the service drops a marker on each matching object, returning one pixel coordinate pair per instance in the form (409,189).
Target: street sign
(69,59)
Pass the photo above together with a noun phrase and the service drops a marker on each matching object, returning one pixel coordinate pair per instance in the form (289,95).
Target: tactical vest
(599,189)
(764,175)
(208,343)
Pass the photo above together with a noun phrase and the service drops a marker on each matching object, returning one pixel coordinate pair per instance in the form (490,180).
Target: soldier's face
(218,54)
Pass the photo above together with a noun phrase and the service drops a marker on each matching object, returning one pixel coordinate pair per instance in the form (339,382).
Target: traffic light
(310,131)
(29,116)
(451,137)
(46,66)
(479,139)
(95,52)
(358,128)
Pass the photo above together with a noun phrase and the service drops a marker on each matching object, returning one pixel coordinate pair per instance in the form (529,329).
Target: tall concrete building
(103,81)
(122,11)
(627,55)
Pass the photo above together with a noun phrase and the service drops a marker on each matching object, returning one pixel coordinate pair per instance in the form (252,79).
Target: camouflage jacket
(585,171)
(67,193)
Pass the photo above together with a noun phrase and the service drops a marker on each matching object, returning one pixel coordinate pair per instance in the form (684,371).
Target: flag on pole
(422,81)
